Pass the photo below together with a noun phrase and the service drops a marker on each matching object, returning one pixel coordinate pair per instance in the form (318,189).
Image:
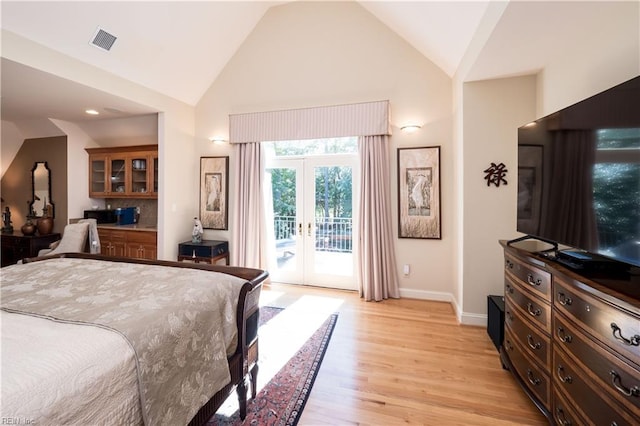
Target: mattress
(37,356)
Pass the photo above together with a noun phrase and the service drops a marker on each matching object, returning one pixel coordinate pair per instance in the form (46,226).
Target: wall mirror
(41,191)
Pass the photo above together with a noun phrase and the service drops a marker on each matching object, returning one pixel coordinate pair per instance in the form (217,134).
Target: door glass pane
(139,174)
(333,220)
(155,175)
(97,176)
(117,176)
(283,187)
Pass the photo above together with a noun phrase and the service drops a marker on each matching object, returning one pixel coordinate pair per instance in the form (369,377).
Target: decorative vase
(45,225)
(28,228)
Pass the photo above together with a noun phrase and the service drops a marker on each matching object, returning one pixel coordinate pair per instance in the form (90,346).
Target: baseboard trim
(426,295)
(438,296)
(474,319)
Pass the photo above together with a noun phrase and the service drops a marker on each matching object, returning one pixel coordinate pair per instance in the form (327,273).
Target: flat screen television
(579,175)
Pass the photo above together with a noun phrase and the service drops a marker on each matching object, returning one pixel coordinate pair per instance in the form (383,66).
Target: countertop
(132,227)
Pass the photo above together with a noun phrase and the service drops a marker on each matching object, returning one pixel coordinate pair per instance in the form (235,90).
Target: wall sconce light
(217,140)
(410,128)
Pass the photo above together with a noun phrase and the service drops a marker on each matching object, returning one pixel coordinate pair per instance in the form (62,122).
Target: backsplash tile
(148,208)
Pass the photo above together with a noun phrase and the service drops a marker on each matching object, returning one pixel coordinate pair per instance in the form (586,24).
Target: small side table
(208,251)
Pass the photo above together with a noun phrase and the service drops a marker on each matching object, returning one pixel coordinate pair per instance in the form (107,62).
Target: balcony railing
(332,234)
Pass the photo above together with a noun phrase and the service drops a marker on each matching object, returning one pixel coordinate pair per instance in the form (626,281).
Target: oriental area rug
(287,370)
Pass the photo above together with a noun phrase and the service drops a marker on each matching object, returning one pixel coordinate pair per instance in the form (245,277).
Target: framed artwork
(419,192)
(214,192)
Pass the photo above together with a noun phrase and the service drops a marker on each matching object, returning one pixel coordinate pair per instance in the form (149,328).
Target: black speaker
(495,319)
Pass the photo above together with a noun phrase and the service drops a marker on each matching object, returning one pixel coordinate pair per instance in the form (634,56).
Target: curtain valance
(362,119)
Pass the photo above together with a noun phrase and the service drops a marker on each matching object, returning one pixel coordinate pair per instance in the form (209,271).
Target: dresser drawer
(620,379)
(564,413)
(536,343)
(529,372)
(594,404)
(533,279)
(530,307)
(615,328)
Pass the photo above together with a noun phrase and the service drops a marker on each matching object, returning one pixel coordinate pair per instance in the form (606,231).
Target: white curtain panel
(248,232)
(377,263)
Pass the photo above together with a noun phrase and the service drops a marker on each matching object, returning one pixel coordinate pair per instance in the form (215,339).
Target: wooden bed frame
(243,364)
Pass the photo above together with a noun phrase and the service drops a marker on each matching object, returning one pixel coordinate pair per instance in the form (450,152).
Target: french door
(313,207)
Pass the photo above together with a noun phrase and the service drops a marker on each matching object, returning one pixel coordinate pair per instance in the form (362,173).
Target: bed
(90,339)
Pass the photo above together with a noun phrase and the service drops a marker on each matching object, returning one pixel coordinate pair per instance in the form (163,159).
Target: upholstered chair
(74,240)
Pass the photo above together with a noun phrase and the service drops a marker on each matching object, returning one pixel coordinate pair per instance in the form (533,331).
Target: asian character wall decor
(419,192)
(495,174)
(214,188)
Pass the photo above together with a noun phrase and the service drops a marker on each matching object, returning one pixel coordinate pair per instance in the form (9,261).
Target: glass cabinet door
(139,175)
(98,176)
(155,175)
(118,183)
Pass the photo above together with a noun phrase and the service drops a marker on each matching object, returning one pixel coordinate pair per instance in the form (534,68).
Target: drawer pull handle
(532,344)
(509,289)
(564,299)
(566,338)
(533,313)
(561,418)
(508,264)
(562,377)
(616,381)
(533,282)
(617,333)
(533,380)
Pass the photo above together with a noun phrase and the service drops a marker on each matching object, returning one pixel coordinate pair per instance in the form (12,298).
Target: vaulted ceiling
(159,43)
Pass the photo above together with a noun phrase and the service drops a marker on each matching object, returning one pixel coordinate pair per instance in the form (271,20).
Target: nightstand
(208,251)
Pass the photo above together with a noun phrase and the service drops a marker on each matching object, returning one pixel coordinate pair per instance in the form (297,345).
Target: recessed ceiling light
(91,112)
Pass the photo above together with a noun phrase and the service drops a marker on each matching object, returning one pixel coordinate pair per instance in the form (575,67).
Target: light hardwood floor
(404,361)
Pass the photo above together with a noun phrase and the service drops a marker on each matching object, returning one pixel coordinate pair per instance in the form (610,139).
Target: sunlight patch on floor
(283,336)
(267,298)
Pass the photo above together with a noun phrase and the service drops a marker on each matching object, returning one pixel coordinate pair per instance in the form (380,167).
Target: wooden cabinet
(17,246)
(572,340)
(142,245)
(128,243)
(123,172)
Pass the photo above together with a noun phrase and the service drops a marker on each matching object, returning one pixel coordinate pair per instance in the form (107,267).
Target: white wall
(177,160)
(493,111)
(12,140)
(78,170)
(325,53)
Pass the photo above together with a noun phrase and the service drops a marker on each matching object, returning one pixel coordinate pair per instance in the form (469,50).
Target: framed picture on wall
(214,192)
(419,192)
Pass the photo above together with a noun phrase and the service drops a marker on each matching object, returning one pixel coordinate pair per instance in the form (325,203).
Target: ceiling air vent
(103,40)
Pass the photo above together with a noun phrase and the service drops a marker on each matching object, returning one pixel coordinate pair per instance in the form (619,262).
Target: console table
(17,246)
(572,339)
(208,251)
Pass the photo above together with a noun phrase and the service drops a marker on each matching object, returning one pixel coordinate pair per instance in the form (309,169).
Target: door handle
(300,228)
(309,229)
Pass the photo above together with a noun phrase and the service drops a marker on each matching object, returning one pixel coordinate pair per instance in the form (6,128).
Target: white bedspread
(37,356)
(177,325)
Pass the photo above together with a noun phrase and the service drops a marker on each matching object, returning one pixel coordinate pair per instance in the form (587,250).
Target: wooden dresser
(572,340)
(17,246)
